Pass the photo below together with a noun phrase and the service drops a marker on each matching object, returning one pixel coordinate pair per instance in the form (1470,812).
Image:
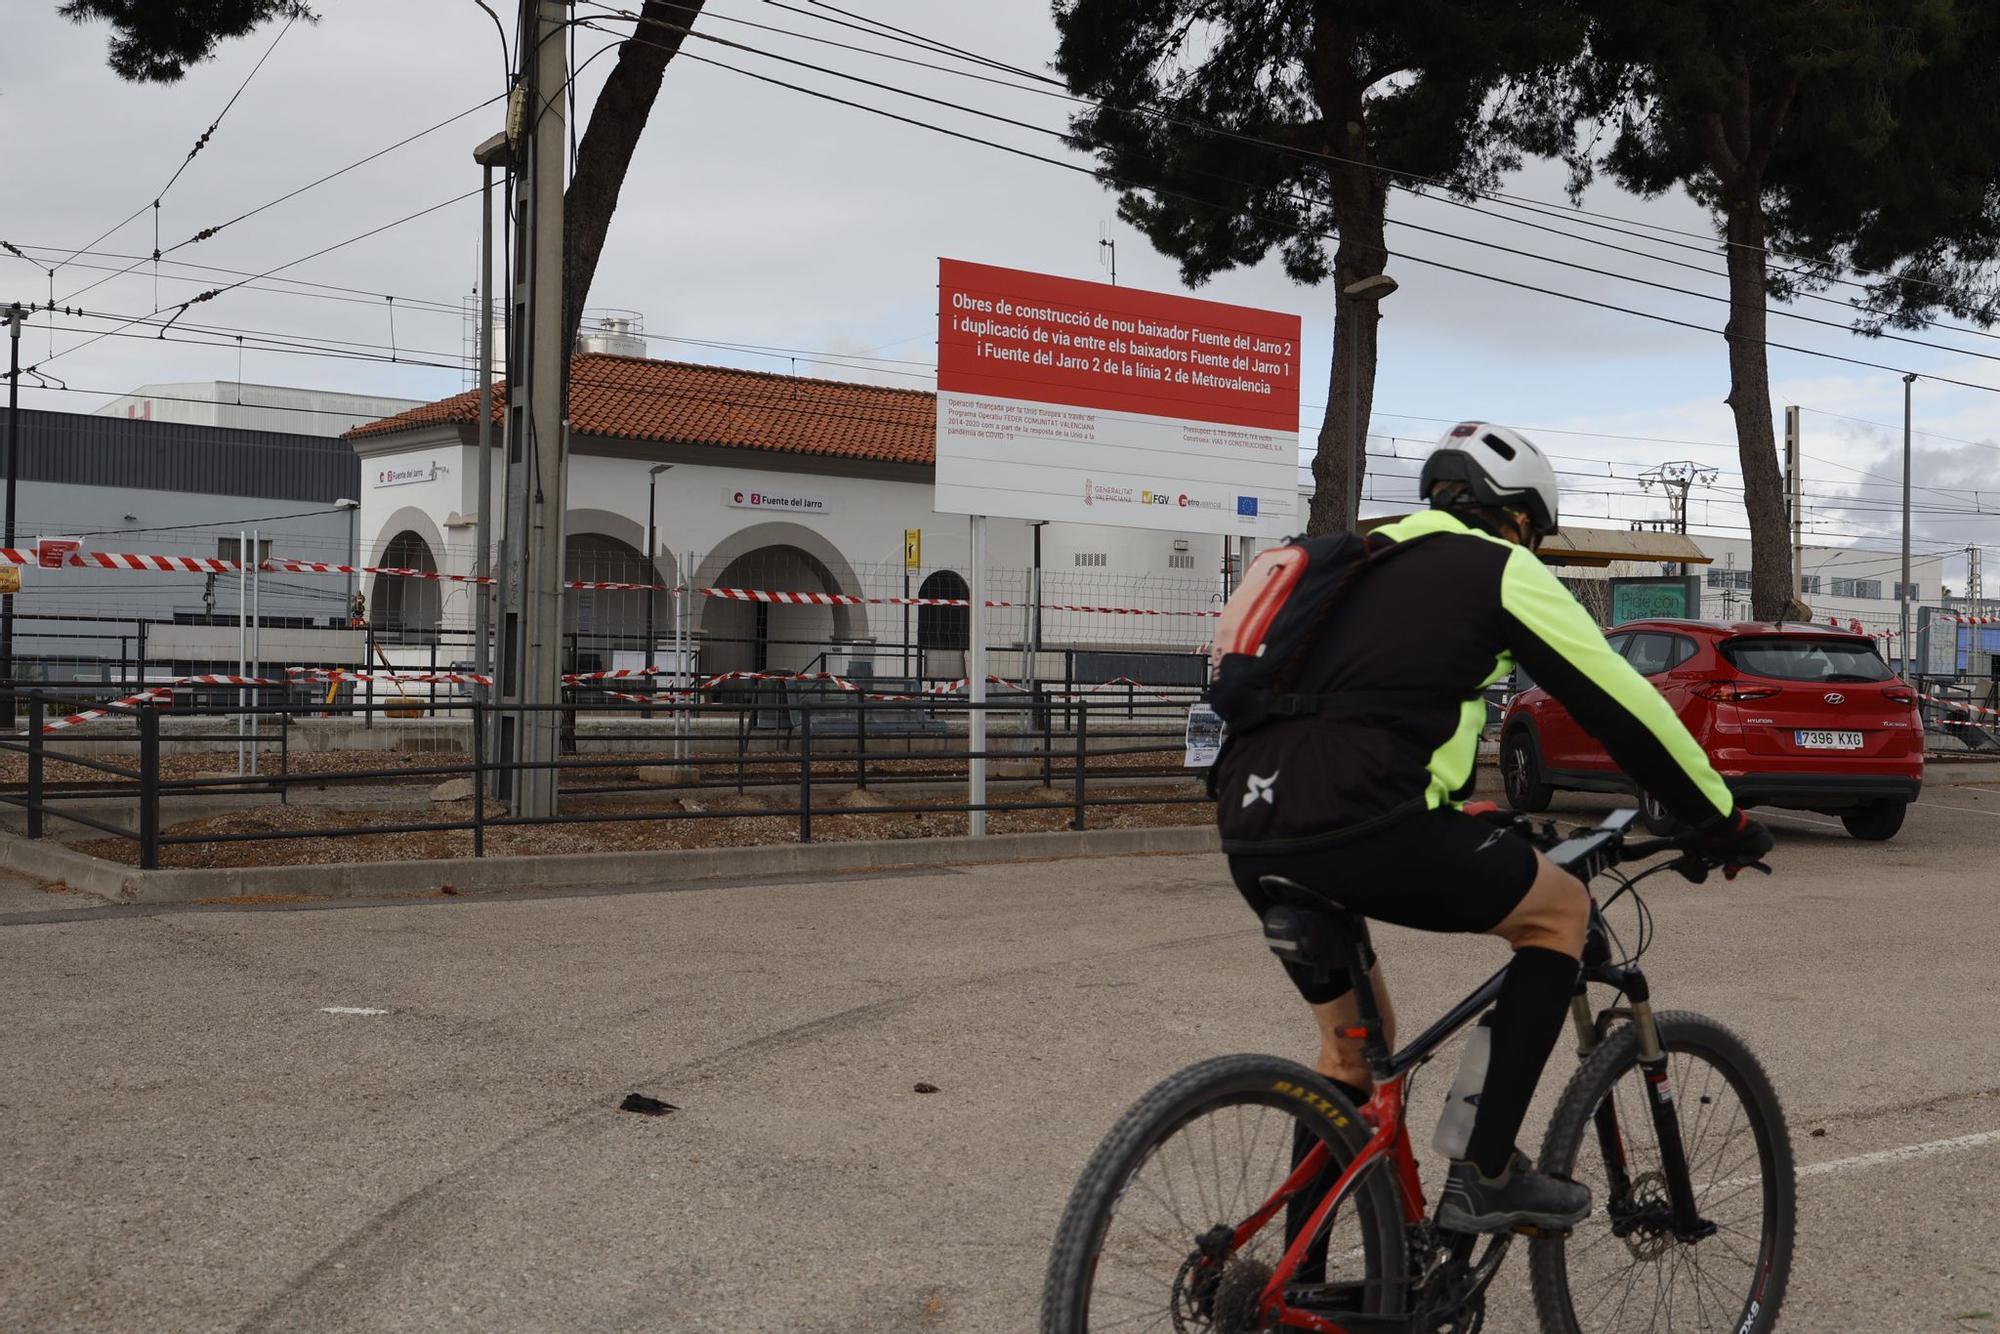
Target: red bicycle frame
(1390,1139)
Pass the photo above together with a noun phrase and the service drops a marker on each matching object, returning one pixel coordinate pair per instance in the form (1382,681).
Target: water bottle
(1454,1130)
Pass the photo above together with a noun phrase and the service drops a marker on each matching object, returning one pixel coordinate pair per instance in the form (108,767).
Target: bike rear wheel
(1201,1152)
(1624,1267)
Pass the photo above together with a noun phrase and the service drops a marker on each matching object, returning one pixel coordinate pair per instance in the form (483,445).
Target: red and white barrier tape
(119,560)
(851,600)
(335,674)
(1969,707)
(1973,620)
(151,696)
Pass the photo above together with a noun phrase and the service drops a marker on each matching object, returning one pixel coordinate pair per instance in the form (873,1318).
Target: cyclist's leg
(1546,929)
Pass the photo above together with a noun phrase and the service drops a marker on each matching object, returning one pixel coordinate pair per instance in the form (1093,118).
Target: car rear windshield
(1796,658)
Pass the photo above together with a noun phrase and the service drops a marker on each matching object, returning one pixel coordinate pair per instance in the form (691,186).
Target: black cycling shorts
(1442,870)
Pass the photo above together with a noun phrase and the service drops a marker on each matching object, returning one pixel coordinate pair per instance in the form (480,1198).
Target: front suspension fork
(1652,1060)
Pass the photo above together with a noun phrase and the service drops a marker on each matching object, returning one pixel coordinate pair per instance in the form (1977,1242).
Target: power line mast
(537,460)
(1677,479)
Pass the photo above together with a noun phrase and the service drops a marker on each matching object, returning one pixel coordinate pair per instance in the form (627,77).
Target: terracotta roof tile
(630,398)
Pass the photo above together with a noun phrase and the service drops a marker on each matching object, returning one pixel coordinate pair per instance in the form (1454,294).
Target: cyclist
(1362,803)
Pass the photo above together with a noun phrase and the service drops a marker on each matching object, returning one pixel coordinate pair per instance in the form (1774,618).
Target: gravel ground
(689,823)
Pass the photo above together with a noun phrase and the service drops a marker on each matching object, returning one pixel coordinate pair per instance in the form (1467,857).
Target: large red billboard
(1006,333)
(1064,399)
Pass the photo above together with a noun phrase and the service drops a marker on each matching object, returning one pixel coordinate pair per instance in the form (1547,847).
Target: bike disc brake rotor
(1653,1231)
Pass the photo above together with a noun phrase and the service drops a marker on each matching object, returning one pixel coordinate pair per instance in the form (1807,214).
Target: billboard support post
(976,686)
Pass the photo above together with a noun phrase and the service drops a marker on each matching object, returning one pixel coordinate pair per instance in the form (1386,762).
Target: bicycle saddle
(1311,928)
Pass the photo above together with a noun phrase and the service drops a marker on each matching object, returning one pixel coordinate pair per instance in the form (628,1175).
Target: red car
(1796,715)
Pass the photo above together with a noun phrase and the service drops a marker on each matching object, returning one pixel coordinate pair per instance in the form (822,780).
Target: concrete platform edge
(49,860)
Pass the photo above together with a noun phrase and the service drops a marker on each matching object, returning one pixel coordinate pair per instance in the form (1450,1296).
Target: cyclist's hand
(1732,844)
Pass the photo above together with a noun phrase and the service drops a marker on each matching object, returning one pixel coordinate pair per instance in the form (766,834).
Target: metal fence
(1050,750)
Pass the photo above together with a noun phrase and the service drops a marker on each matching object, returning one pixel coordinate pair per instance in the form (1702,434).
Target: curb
(675,869)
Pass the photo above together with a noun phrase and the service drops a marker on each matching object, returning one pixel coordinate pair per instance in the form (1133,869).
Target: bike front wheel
(1627,1266)
(1142,1244)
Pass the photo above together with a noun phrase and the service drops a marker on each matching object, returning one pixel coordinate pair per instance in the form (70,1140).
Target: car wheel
(1659,821)
(1877,821)
(1521,773)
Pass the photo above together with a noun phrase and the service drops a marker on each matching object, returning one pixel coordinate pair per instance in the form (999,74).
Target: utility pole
(1795,492)
(537,419)
(1676,479)
(1903,630)
(14,316)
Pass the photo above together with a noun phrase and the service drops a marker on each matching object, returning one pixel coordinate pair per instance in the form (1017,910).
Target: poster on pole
(1204,737)
(1082,402)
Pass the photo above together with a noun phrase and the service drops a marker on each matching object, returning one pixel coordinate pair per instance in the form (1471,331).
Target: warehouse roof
(83,449)
(633,398)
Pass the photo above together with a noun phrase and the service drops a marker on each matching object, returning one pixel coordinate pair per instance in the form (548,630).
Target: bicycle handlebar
(1693,862)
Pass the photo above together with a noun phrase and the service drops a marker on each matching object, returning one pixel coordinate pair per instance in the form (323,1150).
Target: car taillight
(1729,692)
(1898,695)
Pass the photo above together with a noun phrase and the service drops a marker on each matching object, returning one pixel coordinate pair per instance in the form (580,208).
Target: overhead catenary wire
(200,143)
(207,232)
(230,287)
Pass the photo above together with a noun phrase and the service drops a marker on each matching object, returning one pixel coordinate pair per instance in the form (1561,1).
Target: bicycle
(1694,1202)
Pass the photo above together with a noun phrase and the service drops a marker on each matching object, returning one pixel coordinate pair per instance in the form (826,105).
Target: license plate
(1829,740)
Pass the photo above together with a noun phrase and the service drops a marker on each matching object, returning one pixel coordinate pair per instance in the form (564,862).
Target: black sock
(1526,1020)
(1312,1268)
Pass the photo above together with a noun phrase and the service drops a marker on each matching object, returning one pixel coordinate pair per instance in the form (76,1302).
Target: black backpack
(1272,620)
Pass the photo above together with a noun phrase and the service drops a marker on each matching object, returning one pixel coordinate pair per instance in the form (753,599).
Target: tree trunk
(1772,581)
(1360,200)
(1350,395)
(604,154)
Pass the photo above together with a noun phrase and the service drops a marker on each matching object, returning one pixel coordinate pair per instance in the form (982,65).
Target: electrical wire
(199,144)
(1712,244)
(219,291)
(207,232)
(1311,203)
(1103,175)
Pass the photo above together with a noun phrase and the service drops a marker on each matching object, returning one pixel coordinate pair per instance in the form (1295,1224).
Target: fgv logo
(1246,507)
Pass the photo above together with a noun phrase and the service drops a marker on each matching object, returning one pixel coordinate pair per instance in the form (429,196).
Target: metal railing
(1096,753)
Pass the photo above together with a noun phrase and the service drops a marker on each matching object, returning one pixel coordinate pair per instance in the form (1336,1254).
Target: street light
(1903,630)
(1362,292)
(652,549)
(353,508)
(493,154)
(14,317)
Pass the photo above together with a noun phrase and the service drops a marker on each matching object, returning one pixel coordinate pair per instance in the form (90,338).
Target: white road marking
(1806,819)
(1897,1155)
(1969,810)
(350,1009)
(1968,787)
(1904,1153)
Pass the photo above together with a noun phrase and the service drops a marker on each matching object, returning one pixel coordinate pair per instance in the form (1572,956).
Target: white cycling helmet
(1500,467)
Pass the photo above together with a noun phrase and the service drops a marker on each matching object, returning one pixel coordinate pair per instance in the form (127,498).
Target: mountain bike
(1246,1193)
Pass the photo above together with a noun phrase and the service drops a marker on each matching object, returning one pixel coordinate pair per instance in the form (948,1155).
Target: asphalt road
(404,1116)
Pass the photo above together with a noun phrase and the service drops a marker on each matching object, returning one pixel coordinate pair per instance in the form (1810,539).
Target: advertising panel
(1088,403)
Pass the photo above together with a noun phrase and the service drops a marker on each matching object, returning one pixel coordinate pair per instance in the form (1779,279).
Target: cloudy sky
(758,216)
